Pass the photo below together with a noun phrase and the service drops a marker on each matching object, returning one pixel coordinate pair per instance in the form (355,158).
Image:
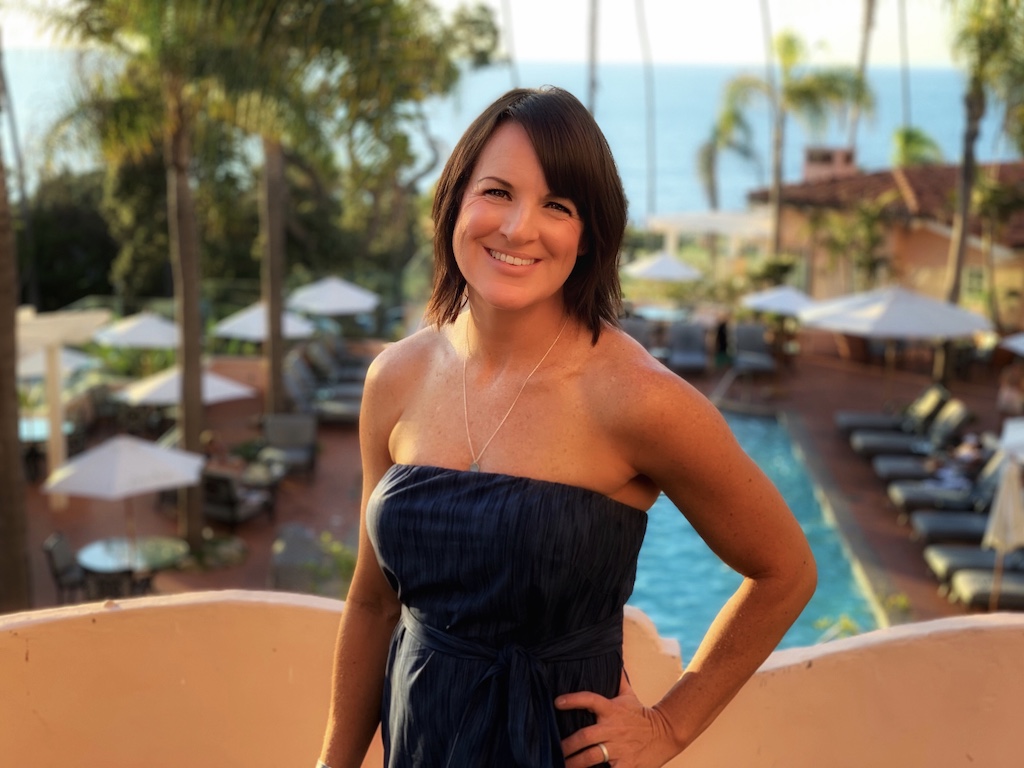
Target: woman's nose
(519,224)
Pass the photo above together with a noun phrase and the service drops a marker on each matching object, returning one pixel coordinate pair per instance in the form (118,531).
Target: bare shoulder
(646,408)
(400,362)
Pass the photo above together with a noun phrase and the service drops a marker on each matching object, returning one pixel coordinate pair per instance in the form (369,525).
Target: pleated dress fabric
(512,592)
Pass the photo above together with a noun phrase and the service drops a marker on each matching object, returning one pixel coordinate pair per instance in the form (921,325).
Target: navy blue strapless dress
(512,592)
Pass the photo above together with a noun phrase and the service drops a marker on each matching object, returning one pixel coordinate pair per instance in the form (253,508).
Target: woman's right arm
(371,607)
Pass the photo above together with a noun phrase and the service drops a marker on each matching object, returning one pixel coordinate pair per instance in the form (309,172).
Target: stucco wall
(241,678)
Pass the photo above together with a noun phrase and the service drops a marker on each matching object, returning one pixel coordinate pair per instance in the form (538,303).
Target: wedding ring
(604,752)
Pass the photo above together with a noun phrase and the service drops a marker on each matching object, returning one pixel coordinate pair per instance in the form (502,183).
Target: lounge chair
(974,589)
(944,430)
(751,351)
(953,466)
(688,350)
(914,419)
(290,441)
(333,403)
(946,559)
(930,526)
(909,495)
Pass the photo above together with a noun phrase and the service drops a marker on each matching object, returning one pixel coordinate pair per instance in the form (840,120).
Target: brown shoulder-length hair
(578,165)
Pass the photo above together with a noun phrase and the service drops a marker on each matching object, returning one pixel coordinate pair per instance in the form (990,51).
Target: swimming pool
(681,584)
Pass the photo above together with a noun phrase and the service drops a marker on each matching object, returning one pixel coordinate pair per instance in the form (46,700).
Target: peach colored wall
(241,678)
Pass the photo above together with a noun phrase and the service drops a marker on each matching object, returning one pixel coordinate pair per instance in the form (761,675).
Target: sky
(680,31)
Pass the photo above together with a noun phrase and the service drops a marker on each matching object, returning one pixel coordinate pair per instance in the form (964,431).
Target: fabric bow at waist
(515,675)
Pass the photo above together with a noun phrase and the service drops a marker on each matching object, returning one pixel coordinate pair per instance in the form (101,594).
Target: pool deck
(804,397)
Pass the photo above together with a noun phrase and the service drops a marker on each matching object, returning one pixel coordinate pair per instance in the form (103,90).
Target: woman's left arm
(676,438)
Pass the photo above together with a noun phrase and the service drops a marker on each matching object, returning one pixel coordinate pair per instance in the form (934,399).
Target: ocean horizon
(686,100)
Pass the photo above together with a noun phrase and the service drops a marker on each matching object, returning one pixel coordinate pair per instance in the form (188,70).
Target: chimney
(823,163)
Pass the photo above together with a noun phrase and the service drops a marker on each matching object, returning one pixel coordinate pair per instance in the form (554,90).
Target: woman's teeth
(511,259)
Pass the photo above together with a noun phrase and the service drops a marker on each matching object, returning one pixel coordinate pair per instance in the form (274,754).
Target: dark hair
(577,164)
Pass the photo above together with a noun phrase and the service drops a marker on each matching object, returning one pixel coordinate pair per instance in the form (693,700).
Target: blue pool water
(681,584)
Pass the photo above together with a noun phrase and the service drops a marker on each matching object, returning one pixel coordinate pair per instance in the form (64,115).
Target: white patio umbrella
(893,313)
(333,296)
(662,268)
(145,330)
(1014,343)
(1005,530)
(164,388)
(250,324)
(123,467)
(779,300)
(33,365)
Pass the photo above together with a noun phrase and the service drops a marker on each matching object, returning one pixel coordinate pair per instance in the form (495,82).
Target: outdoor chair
(974,589)
(751,351)
(639,328)
(290,440)
(225,502)
(914,419)
(951,467)
(334,403)
(944,560)
(909,495)
(688,348)
(944,430)
(68,576)
(332,364)
(932,526)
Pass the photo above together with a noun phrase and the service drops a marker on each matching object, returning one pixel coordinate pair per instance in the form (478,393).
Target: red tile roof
(924,192)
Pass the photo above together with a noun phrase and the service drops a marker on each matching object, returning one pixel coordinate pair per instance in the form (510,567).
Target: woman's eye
(503,193)
(561,208)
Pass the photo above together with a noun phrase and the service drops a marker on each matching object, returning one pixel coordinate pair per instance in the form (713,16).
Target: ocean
(686,99)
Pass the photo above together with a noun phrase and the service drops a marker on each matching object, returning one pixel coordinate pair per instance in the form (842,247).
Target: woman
(509,454)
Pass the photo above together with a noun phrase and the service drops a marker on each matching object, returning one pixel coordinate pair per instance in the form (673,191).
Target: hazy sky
(711,31)
(720,31)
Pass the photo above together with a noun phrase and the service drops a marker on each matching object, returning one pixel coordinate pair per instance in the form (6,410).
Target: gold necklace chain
(475,466)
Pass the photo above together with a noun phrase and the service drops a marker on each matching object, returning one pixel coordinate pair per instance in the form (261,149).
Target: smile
(506,259)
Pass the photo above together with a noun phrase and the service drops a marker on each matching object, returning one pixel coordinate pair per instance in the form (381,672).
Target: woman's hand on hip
(632,735)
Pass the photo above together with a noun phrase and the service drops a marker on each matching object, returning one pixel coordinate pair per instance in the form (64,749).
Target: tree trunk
(867,22)
(988,236)
(15,574)
(272,209)
(974,102)
(184,246)
(775,193)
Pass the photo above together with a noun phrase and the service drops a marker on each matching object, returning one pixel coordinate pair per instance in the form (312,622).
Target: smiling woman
(490,583)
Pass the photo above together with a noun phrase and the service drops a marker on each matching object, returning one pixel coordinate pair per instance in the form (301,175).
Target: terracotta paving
(805,397)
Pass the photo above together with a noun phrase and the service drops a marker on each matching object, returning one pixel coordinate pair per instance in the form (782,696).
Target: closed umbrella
(333,297)
(661,268)
(145,330)
(164,388)
(1005,530)
(250,324)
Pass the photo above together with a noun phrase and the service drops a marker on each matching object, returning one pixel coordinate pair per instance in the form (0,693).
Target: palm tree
(867,23)
(808,94)
(174,47)
(989,36)
(994,203)
(730,132)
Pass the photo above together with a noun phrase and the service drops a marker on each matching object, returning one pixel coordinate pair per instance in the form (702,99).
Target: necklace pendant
(474,467)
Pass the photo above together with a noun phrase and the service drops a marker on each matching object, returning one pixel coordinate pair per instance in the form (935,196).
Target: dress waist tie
(516,674)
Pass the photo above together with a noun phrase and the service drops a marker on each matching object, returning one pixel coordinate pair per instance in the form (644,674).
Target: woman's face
(514,241)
